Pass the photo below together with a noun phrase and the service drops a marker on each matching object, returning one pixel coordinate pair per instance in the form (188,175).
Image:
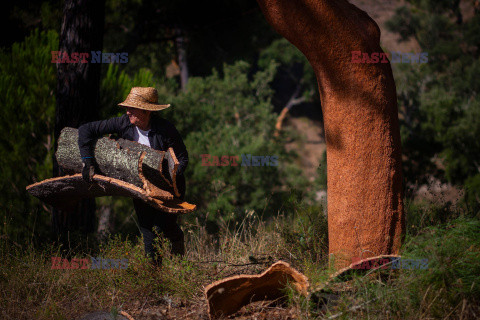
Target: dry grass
(448,289)
(30,289)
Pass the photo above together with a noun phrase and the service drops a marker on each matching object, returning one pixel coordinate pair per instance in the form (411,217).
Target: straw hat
(143,98)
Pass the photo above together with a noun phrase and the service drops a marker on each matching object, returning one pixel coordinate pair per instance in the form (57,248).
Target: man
(139,125)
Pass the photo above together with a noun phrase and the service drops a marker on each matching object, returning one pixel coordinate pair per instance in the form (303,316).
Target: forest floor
(446,289)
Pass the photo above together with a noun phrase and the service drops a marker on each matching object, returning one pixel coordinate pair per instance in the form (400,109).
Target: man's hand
(88,170)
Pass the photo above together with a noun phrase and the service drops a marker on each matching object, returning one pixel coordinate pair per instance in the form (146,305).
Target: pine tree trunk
(181,48)
(78,94)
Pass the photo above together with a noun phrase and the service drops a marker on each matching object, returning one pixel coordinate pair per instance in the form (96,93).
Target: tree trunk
(359,104)
(78,93)
(129,161)
(182,56)
(105,225)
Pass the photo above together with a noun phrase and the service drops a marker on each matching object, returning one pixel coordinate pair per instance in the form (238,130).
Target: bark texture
(124,160)
(124,168)
(65,192)
(181,48)
(228,295)
(77,95)
(359,104)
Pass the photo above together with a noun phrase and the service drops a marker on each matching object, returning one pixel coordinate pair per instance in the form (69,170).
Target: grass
(449,288)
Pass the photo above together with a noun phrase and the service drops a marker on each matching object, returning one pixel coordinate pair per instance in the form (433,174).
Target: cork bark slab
(227,296)
(124,160)
(64,192)
(347,273)
(356,269)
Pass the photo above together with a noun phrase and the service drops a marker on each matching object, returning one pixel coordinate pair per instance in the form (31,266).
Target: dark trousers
(166,223)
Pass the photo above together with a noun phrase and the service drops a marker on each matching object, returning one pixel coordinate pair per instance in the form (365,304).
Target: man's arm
(89,132)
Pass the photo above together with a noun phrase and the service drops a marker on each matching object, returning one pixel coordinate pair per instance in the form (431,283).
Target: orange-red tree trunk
(359,103)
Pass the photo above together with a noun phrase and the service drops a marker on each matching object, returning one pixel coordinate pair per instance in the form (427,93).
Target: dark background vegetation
(241,74)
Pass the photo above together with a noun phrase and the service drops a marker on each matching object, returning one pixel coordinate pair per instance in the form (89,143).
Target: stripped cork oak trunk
(359,103)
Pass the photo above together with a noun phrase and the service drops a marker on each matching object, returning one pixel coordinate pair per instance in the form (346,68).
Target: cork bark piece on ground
(225,297)
(64,192)
(357,268)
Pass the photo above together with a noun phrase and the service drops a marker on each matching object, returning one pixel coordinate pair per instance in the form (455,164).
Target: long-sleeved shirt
(162,136)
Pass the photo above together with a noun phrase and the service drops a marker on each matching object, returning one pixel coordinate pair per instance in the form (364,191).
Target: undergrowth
(448,288)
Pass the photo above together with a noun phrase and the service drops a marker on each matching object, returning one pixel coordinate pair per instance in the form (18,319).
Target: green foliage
(229,114)
(305,237)
(472,195)
(438,101)
(420,215)
(447,286)
(293,70)
(454,254)
(403,22)
(27,84)
(287,55)
(215,32)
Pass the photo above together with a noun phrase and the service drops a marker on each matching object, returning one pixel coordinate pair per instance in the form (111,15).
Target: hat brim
(144,105)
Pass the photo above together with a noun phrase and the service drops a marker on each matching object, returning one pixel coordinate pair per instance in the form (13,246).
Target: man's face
(139,117)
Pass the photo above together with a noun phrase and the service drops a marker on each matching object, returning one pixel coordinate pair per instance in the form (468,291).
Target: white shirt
(142,136)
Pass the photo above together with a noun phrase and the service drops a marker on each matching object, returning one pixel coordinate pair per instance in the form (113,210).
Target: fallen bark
(225,297)
(357,269)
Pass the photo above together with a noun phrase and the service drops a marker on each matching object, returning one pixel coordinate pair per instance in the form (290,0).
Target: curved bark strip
(228,295)
(359,103)
(64,192)
(362,267)
(173,164)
